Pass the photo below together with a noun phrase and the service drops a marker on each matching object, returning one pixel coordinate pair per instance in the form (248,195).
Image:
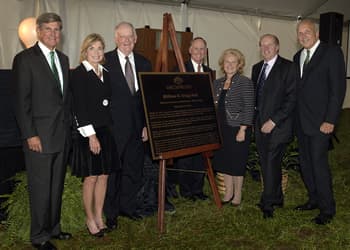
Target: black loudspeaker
(331,28)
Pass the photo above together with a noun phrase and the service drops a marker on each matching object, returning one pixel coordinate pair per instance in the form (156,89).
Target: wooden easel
(205,150)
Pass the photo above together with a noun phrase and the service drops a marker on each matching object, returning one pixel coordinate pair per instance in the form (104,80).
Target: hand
(94,144)
(240,137)
(268,126)
(144,134)
(327,128)
(34,144)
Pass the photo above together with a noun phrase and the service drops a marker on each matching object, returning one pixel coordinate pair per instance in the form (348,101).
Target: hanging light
(27,31)
(27,28)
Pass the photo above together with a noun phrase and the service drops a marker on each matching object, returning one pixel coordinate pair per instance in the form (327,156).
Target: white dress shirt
(304,53)
(132,62)
(46,51)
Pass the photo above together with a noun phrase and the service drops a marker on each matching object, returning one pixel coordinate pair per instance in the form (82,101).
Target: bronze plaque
(180,111)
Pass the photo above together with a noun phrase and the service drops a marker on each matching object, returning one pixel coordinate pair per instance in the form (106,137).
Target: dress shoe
(267,214)
(99,234)
(322,219)
(201,196)
(227,202)
(134,216)
(62,236)
(111,224)
(306,206)
(46,245)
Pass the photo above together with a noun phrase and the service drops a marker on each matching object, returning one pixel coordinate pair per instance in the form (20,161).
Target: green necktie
(307,58)
(53,66)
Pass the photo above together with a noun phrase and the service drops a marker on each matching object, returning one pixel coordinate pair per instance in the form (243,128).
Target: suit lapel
(315,59)
(45,65)
(118,67)
(64,68)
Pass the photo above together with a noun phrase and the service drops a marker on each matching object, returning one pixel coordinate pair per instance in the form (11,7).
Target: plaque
(180,112)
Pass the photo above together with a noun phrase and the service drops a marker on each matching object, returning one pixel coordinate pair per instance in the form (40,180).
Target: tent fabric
(222,30)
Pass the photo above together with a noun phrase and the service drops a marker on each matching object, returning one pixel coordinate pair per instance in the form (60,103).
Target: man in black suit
(191,184)
(275,80)
(321,88)
(42,111)
(129,124)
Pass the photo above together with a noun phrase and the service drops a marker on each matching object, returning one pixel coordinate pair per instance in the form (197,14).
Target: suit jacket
(321,89)
(127,110)
(277,98)
(41,108)
(239,102)
(91,97)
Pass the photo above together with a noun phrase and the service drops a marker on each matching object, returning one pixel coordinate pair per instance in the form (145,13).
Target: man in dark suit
(129,124)
(321,88)
(42,111)
(191,183)
(275,80)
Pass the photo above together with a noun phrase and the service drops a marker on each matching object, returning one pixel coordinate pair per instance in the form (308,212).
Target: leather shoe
(46,245)
(227,202)
(201,196)
(111,224)
(322,219)
(267,214)
(306,206)
(62,236)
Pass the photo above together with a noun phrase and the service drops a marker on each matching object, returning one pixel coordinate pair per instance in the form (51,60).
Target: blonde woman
(94,148)
(234,94)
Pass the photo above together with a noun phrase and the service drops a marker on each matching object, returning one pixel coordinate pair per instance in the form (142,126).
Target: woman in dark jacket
(234,96)
(94,150)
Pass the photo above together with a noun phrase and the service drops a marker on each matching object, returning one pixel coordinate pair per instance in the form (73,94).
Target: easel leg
(211,178)
(161,195)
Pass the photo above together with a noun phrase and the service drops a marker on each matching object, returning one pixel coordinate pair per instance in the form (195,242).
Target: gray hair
(48,17)
(126,24)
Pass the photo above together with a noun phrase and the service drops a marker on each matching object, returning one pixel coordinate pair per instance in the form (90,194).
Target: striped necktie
(129,76)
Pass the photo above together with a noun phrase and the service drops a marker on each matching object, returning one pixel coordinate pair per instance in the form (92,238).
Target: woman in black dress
(94,150)
(234,96)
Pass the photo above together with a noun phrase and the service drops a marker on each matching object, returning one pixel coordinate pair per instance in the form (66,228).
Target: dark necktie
(198,68)
(260,83)
(129,76)
(54,68)
(307,59)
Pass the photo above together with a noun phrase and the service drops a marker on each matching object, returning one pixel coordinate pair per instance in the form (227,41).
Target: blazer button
(105,102)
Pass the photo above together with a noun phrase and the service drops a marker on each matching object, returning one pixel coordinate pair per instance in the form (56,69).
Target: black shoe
(99,234)
(111,224)
(306,206)
(134,216)
(46,245)
(62,236)
(201,196)
(227,202)
(322,219)
(267,214)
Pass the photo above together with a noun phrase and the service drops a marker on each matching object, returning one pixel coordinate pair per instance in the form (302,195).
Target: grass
(200,225)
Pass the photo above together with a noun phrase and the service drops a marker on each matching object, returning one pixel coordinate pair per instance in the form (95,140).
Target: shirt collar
(89,67)
(271,62)
(121,55)
(195,65)
(45,49)
(313,48)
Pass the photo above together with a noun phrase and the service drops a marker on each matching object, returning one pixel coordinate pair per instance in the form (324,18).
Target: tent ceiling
(284,9)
